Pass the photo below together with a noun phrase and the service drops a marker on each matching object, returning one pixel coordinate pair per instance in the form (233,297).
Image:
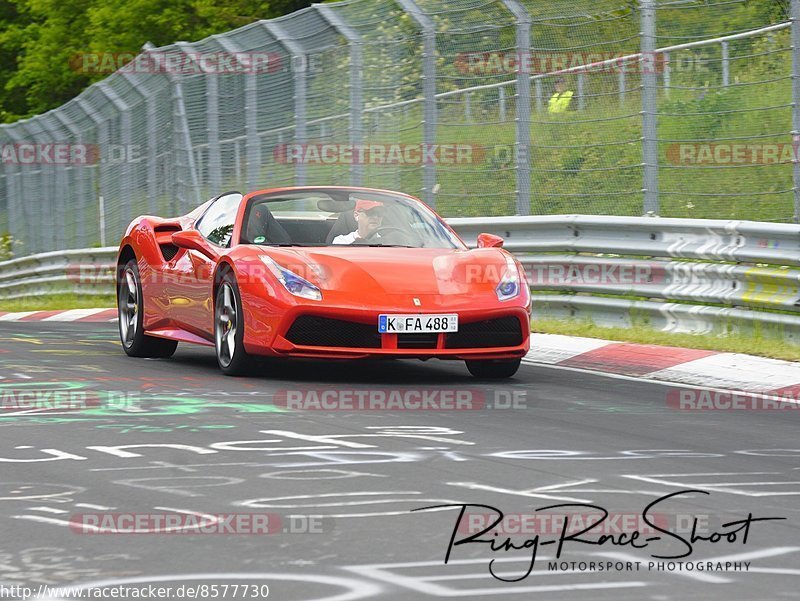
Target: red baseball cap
(366,205)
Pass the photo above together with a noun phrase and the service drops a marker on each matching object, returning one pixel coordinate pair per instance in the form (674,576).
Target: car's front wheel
(130,306)
(232,358)
(493,368)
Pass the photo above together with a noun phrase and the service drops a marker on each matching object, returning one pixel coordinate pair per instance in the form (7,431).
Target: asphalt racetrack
(336,486)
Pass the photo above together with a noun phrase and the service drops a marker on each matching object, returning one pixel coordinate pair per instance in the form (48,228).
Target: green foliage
(40,39)
(6,249)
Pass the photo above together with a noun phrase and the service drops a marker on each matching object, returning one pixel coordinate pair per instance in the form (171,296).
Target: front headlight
(509,285)
(291,281)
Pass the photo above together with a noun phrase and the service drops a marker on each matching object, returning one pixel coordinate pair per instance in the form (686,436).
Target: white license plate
(413,324)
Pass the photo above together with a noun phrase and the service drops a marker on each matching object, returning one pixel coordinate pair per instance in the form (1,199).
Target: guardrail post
(649,107)
(356,85)
(429,110)
(796,106)
(523,118)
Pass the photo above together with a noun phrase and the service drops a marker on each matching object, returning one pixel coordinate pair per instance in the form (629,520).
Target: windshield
(343,217)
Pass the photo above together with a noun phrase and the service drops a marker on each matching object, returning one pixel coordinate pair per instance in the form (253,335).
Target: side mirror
(489,241)
(193,240)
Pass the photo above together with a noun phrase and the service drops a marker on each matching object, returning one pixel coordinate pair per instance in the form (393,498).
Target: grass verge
(58,302)
(733,343)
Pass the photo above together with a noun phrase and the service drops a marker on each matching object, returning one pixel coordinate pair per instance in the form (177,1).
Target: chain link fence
(686,108)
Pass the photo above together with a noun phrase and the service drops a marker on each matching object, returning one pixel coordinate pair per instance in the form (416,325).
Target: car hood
(371,270)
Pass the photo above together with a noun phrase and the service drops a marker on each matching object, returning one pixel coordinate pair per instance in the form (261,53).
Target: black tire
(232,358)
(493,369)
(130,309)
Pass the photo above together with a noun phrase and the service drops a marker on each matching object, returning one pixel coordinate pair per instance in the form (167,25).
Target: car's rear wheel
(130,306)
(232,358)
(493,368)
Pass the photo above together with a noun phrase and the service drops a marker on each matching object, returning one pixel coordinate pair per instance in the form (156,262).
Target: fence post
(151,131)
(59,182)
(35,187)
(356,84)
(299,67)
(726,65)
(181,128)
(649,107)
(523,117)
(501,101)
(621,77)
(212,120)
(100,124)
(796,106)
(429,118)
(667,75)
(12,196)
(539,95)
(126,185)
(252,141)
(79,192)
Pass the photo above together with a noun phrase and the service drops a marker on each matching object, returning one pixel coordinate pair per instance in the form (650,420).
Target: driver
(369,217)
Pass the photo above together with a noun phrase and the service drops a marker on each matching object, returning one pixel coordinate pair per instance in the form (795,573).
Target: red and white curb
(85,315)
(691,367)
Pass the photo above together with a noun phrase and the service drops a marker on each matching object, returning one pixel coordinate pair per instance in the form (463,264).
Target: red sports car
(333,272)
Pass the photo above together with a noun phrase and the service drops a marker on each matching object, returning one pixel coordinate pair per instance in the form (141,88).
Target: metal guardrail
(84,271)
(677,275)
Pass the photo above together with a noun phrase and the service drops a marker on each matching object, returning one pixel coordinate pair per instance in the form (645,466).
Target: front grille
(503,331)
(426,340)
(311,330)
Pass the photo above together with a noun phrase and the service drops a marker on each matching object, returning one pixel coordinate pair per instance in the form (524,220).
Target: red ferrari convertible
(325,272)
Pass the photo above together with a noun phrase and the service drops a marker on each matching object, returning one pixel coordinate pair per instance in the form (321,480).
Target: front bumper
(347,334)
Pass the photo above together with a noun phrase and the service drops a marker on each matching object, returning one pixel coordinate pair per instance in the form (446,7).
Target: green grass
(58,302)
(732,343)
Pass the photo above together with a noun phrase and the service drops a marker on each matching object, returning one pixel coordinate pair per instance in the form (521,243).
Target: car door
(192,302)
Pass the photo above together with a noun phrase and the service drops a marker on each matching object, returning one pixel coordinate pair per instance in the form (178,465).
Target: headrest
(330,205)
